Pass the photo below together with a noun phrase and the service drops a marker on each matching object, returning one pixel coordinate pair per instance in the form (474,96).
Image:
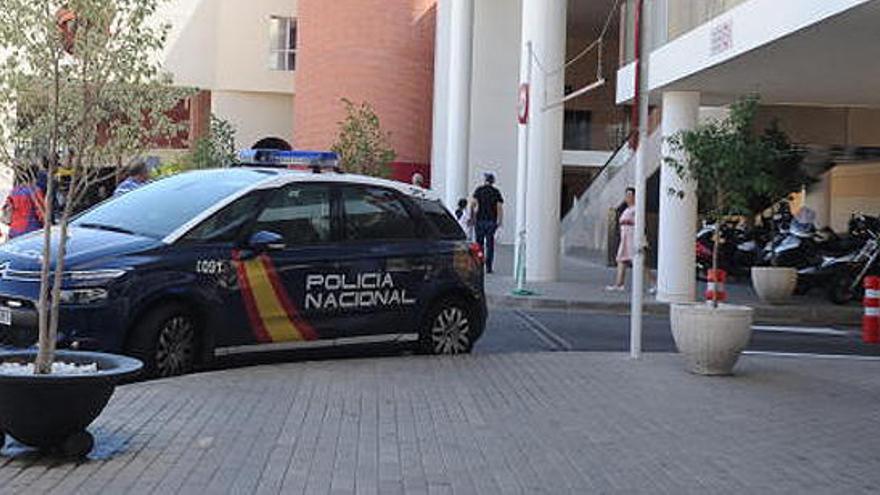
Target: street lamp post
(522,174)
(638,263)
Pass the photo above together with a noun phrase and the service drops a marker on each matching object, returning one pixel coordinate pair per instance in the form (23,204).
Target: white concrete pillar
(544,24)
(439,155)
(676,272)
(452,100)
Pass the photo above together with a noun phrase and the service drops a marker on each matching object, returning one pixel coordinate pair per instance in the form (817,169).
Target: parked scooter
(738,252)
(804,246)
(776,230)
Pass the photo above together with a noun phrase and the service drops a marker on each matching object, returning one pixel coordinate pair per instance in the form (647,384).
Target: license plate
(5,316)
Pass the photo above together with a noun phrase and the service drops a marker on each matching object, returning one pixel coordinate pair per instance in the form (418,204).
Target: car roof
(286,176)
(274,178)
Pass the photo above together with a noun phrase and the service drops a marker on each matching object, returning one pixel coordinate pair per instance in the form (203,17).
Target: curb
(787,314)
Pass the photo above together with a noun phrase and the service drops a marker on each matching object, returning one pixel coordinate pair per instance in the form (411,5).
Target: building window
(282,43)
(576,134)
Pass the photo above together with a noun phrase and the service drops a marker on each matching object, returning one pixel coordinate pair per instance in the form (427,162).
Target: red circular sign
(524,103)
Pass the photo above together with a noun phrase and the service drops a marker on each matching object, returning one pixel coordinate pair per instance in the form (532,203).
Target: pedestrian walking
(464,215)
(138,175)
(418,180)
(626,249)
(488,216)
(24,208)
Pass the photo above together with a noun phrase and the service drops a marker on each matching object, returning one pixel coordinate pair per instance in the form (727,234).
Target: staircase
(586,224)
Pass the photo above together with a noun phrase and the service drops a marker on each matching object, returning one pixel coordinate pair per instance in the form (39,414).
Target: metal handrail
(602,170)
(625,143)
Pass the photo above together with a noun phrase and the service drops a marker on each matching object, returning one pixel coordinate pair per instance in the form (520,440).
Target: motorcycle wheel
(802,288)
(839,291)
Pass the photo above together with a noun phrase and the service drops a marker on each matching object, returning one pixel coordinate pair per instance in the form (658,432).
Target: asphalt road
(511,330)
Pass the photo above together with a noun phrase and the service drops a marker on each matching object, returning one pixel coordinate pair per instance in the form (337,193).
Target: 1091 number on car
(211,267)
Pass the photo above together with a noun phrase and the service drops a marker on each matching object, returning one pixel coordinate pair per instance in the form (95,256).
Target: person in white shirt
(463,215)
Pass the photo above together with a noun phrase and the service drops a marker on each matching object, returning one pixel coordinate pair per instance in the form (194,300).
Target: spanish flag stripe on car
(273,317)
(302,326)
(249,303)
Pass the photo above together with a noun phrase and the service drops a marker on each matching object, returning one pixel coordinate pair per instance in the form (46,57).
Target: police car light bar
(315,160)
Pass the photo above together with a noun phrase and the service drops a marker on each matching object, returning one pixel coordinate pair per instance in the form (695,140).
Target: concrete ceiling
(836,62)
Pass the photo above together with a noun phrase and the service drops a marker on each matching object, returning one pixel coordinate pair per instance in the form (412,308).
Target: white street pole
(522,179)
(638,264)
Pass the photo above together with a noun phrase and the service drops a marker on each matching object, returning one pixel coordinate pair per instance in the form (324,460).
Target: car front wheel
(165,340)
(449,328)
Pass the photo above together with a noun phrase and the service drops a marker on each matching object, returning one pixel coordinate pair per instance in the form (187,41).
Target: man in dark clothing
(488,217)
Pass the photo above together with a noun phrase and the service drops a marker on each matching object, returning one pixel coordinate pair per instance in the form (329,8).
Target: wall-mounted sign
(721,38)
(523,103)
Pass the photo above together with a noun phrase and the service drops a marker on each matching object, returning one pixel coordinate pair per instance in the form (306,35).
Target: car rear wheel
(165,340)
(449,328)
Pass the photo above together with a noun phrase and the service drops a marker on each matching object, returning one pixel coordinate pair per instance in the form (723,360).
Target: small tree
(729,163)
(786,173)
(362,146)
(217,149)
(80,87)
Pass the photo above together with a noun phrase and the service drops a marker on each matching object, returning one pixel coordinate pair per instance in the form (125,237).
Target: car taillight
(477,253)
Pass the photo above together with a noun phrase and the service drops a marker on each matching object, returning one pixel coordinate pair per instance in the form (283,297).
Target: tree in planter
(362,146)
(81,86)
(729,163)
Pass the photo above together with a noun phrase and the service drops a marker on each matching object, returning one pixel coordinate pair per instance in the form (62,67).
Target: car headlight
(92,275)
(83,296)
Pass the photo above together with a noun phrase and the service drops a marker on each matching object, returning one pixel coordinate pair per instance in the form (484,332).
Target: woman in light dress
(626,248)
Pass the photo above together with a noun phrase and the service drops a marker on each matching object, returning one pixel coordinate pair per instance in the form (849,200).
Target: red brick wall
(378,51)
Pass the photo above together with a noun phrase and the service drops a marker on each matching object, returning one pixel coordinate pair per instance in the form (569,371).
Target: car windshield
(159,208)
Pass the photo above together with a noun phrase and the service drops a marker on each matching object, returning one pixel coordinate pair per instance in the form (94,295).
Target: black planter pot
(53,411)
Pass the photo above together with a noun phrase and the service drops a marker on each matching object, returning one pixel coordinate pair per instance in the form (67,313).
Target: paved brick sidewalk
(513,423)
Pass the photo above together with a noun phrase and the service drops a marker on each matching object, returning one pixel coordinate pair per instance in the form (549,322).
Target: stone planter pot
(774,285)
(53,411)
(711,339)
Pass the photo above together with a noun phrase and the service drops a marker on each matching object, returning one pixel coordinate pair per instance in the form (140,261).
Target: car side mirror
(265,240)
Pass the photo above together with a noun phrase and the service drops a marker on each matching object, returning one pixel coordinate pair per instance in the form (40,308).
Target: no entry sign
(523,103)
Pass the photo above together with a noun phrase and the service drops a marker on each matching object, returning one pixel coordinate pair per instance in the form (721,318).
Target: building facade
(444,77)
(278,70)
(243,56)
(805,59)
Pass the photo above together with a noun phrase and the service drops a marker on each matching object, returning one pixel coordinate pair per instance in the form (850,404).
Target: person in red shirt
(24,207)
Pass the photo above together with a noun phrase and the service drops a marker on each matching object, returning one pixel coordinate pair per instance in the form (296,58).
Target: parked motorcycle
(804,246)
(843,276)
(739,249)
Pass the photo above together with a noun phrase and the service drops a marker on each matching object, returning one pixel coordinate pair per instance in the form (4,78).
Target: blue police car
(252,258)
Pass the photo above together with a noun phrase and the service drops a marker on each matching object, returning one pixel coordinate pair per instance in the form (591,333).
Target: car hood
(85,248)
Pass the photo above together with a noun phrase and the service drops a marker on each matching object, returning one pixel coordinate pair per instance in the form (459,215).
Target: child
(463,215)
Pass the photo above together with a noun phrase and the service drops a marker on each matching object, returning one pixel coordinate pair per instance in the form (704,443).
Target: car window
(439,216)
(158,209)
(298,212)
(226,224)
(372,213)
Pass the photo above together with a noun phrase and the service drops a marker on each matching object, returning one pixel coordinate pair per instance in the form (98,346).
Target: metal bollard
(715,289)
(871,320)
